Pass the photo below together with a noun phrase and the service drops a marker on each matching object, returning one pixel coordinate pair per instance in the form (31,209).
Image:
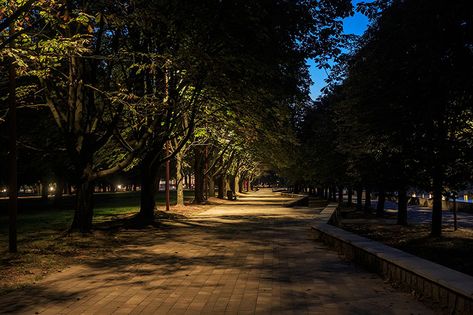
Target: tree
(120,80)
(407,99)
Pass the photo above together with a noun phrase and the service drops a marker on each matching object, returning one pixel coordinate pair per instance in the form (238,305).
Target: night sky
(352,25)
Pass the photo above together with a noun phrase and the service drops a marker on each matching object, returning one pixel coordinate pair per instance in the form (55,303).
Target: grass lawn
(43,245)
(35,215)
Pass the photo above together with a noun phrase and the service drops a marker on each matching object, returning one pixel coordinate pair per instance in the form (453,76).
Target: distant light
(51,188)
(4,190)
(414,195)
(119,186)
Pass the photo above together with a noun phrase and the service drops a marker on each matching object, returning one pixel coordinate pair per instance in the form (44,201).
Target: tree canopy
(125,86)
(397,114)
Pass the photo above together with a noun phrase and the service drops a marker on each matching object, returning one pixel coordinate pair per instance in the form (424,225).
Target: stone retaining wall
(451,289)
(291,195)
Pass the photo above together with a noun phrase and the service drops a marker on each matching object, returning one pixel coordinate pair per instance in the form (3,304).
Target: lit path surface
(251,256)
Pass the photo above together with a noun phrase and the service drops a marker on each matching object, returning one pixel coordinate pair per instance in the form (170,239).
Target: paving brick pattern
(249,257)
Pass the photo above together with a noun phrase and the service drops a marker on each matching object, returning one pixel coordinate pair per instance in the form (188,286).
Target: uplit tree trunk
(381,202)
(402,207)
(211,187)
(236,183)
(227,183)
(186,181)
(179,180)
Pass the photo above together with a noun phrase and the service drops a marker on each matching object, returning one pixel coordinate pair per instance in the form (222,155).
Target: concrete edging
(453,290)
(298,199)
(291,195)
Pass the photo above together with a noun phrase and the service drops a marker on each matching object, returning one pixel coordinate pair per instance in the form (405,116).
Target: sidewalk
(251,256)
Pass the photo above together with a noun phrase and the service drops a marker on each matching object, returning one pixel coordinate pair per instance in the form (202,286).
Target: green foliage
(121,80)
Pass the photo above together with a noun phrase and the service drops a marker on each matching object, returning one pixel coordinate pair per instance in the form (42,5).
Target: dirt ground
(454,249)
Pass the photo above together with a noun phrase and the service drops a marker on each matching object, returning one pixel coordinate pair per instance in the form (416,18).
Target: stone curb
(298,201)
(291,195)
(451,289)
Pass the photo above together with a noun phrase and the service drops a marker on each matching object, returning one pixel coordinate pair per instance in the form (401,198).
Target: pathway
(251,256)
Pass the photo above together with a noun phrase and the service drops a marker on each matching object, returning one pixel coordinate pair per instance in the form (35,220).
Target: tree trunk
(381,201)
(44,190)
(340,195)
(211,187)
(402,207)
(199,176)
(436,228)
(227,183)
(350,197)
(240,186)
(367,200)
(236,184)
(149,187)
(84,207)
(13,154)
(179,180)
(359,198)
(221,187)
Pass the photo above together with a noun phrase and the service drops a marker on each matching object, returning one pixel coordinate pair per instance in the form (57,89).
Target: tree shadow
(271,250)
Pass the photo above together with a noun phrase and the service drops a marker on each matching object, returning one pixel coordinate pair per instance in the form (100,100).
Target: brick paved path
(251,256)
